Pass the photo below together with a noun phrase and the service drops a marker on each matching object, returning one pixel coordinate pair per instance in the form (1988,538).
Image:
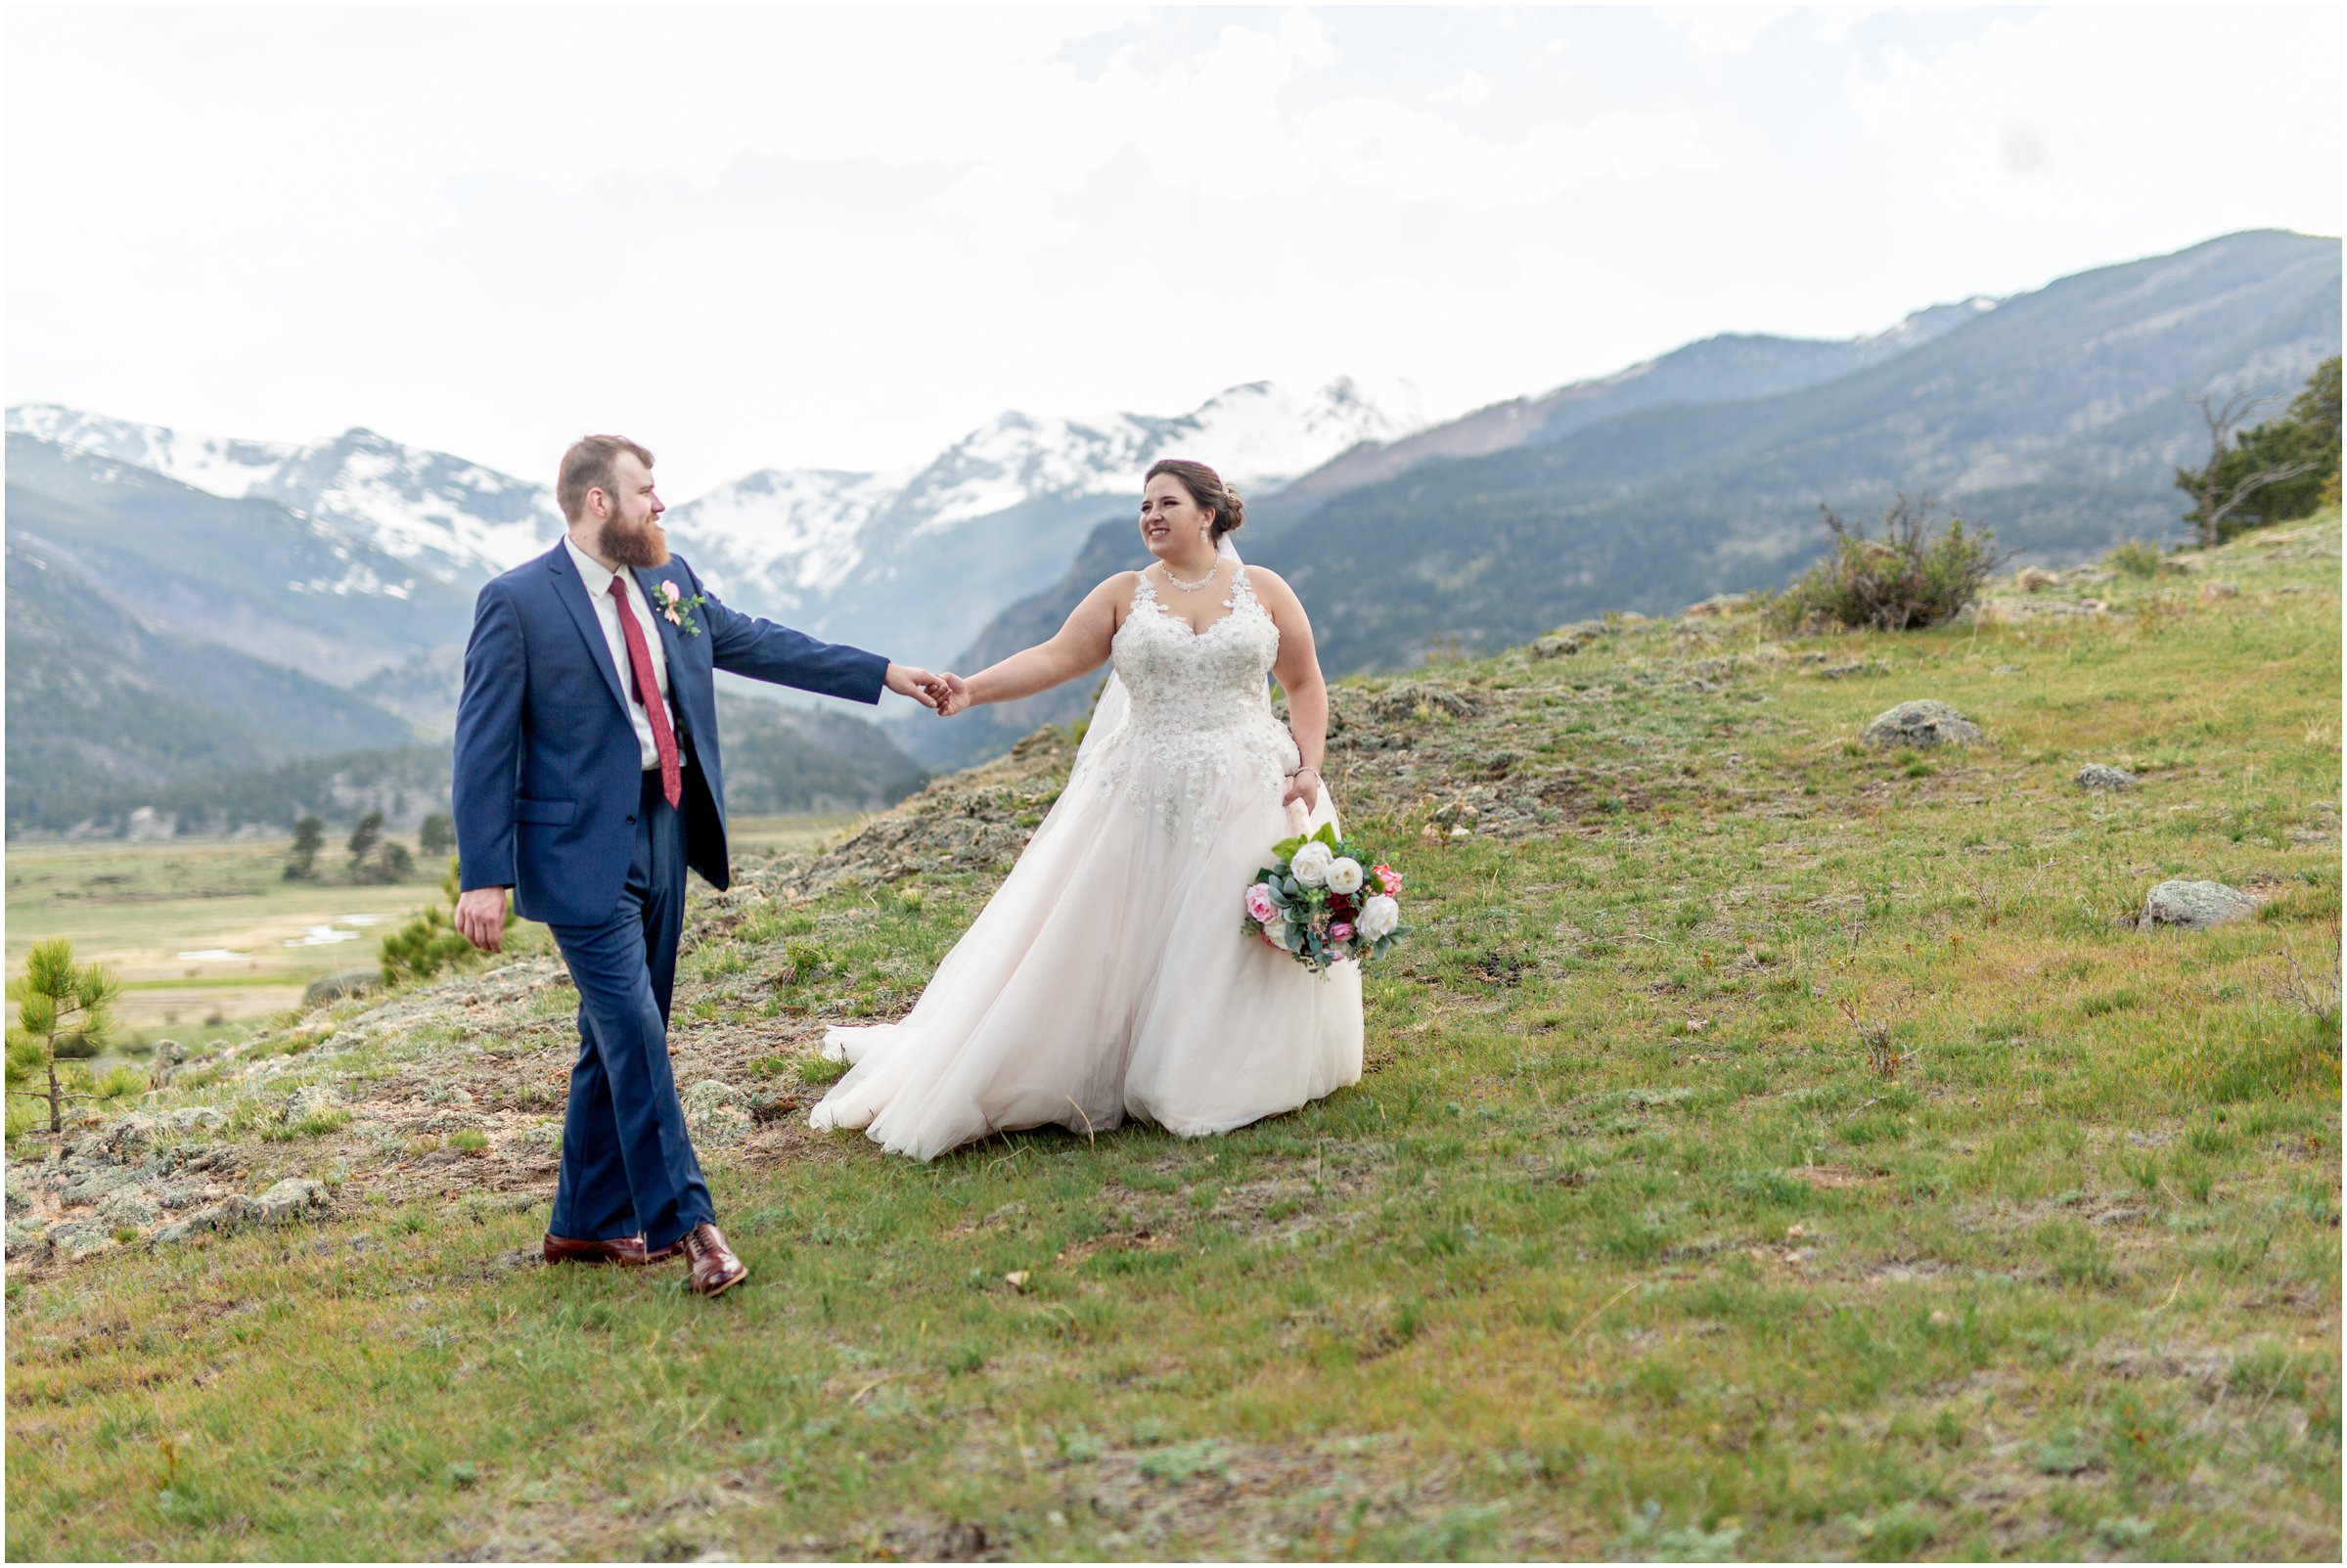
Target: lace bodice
(1202,717)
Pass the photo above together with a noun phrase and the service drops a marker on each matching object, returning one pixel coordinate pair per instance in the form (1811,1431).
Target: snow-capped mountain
(912,563)
(781,538)
(447,519)
(1257,435)
(827,548)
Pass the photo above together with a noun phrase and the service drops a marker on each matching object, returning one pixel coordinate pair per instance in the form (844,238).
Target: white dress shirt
(599,579)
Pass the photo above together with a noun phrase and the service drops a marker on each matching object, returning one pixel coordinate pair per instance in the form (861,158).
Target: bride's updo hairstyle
(1205,488)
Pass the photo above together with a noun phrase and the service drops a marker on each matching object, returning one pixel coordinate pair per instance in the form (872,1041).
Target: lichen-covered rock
(2101,776)
(26,1239)
(190,1118)
(18,1201)
(310,1100)
(129,1206)
(291,1199)
(2195,905)
(87,1187)
(226,1215)
(126,1140)
(1927,722)
(716,1113)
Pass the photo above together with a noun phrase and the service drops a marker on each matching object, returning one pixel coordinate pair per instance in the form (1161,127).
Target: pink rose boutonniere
(672,604)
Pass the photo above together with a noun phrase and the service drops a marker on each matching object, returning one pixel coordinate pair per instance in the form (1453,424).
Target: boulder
(342,983)
(2217,589)
(26,1239)
(189,1118)
(2031,579)
(2195,905)
(2101,776)
(1927,721)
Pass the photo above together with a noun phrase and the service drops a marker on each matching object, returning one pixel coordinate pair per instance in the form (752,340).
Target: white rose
(1309,865)
(1344,875)
(1378,919)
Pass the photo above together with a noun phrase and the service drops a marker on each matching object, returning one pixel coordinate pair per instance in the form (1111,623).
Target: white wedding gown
(1109,976)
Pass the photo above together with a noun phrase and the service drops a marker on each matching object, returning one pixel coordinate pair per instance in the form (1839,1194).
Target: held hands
(956,696)
(480,916)
(1303,785)
(910,680)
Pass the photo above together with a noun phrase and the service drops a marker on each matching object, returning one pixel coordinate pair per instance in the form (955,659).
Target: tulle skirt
(1109,978)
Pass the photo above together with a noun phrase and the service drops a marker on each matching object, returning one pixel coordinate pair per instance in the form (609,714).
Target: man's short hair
(589,466)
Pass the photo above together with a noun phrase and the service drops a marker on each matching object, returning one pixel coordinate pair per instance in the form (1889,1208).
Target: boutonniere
(676,607)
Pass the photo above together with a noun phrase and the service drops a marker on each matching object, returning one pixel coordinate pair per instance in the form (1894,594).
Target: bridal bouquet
(1317,902)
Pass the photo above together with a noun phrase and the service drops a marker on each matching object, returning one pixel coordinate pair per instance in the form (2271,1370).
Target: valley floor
(1771,1148)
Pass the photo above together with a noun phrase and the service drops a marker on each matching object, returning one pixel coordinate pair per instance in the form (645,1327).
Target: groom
(587,779)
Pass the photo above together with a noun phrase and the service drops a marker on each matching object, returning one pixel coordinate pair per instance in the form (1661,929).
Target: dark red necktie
(648,692)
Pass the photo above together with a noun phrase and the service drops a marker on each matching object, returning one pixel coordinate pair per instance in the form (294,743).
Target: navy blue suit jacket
(548,771)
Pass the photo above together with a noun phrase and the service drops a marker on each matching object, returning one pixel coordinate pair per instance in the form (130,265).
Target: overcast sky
(843,237)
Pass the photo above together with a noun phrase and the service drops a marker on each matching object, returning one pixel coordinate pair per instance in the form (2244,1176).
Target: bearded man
(588,778)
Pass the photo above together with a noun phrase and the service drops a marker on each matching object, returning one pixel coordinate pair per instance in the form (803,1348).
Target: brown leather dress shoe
(715,1269)
(625,1250)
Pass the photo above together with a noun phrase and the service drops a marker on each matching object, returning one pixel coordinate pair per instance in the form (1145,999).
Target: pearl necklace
(1189,587)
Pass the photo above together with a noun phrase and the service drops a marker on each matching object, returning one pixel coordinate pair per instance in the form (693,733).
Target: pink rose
(669,593)
(1391,879)
(1340,932)
(1259,906)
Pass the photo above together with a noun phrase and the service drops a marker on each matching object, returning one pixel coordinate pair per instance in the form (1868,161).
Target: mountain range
(2055,417)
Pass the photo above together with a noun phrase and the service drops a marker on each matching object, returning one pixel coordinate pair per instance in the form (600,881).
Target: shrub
(430,942)
(1905,578)
(2135,558)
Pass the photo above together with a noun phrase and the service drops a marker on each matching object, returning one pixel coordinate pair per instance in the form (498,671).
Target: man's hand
(480,915)
(955,696)
(910,680)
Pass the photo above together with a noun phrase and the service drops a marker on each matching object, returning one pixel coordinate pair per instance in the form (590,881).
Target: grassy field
(207,935)
(1771,1148)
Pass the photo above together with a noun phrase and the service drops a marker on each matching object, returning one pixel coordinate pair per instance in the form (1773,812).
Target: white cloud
(841,238)
(1722,30)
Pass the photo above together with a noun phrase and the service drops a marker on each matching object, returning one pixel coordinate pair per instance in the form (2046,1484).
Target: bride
(1109,976)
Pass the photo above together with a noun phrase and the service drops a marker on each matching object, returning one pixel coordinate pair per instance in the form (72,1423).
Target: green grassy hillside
(1770,1148)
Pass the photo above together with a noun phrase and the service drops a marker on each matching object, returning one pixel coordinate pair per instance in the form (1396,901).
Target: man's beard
(645,546)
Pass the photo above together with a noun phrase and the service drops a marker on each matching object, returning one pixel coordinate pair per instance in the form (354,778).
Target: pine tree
(64,1014)
(302,860)
(363,839)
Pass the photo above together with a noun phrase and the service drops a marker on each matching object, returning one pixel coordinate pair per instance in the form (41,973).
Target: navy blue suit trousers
(628,1166)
